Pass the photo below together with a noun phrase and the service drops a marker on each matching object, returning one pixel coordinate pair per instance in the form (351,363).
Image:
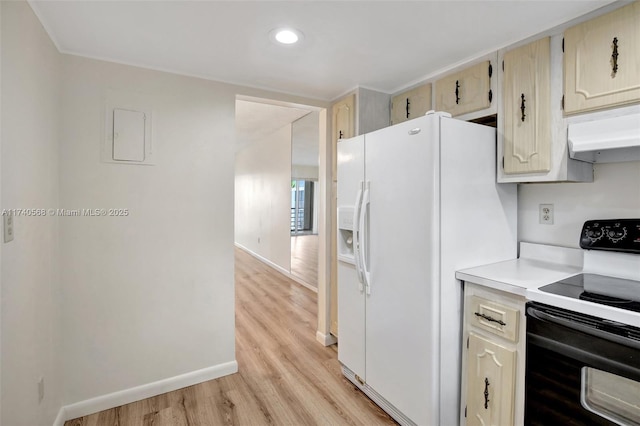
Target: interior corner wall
(30,286)
(149,295)
(263,198)
(614,194)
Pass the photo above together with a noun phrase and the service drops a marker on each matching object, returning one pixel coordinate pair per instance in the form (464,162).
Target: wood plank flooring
(285,377)
(304,258)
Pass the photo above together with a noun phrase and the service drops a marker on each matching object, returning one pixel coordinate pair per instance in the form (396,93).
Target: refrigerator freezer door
(402,310)
(351,302)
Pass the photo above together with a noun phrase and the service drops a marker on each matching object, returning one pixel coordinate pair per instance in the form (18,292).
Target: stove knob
(616,234)
(594,234)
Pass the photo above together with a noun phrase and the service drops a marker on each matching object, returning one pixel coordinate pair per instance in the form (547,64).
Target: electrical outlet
(8,228)
(40,389)
(546,214)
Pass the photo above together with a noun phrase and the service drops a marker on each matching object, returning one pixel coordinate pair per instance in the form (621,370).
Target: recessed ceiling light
(286,35)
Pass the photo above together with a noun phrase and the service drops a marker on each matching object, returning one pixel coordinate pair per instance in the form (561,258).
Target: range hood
(608,140)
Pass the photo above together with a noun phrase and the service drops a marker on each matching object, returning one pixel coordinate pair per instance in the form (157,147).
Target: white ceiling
(256,120)
(382,45)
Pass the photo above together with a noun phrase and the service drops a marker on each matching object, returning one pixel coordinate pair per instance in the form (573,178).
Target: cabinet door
(602,61)
(490,383)
(344,118)
(343,127)
(465,91)
(411,104)
(527,115)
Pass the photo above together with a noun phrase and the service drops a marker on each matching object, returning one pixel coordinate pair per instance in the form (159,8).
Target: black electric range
(583,363)
(613,235)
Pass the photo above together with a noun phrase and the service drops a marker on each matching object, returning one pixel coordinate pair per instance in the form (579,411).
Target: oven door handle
(575,325)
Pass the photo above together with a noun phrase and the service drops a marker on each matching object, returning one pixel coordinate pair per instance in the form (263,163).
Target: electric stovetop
(613,235)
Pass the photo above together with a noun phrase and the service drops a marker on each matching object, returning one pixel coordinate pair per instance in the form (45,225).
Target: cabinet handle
(614,57)
(486,393)
(408,103)
(522,107)
(340,134)
(457,92)
(490,319)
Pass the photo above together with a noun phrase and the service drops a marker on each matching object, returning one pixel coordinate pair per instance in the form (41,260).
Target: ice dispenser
(345,234)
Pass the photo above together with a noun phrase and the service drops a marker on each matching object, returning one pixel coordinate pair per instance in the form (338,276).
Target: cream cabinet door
(344,118)
(527,116)
(343,127)
(602,61)
(343,124)
(411,104)
(466,91)
(490,383)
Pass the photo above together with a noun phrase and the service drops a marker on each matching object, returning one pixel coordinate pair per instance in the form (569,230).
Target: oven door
(580,370)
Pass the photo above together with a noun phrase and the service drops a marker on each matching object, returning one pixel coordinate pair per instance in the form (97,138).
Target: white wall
(30,279)
(305,172)
(263,198)
(148,296)
(615,193)
(104,304)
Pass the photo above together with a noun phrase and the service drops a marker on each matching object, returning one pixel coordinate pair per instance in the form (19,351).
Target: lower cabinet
(490,382)
(493,359)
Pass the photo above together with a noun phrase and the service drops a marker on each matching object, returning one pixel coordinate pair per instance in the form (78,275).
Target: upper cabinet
(343,117)
(532,134)
(602,61)
(527,117)
(411,104)
(465,91)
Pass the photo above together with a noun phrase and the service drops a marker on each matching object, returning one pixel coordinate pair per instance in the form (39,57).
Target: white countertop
(518,275)
(538,266)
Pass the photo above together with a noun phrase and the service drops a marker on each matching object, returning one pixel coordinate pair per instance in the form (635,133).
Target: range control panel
(611,234)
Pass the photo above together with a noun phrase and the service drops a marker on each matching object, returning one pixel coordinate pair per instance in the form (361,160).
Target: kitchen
(394,282)
(82,290)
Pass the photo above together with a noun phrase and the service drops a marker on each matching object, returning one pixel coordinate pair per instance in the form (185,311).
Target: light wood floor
(285,378)
(304,258)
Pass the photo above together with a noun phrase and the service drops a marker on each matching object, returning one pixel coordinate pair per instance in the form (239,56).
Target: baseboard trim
(61,417)
(302,283)
(326,339)
(277,268)
(126,396)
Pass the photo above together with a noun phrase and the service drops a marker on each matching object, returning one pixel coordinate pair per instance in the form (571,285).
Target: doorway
(276,186)
(302,207)
(304,202)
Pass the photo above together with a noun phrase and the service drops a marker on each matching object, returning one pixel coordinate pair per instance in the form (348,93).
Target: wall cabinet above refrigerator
(468,90)
(411,104)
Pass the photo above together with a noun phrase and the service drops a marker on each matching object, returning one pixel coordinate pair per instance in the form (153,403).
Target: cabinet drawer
(493,317)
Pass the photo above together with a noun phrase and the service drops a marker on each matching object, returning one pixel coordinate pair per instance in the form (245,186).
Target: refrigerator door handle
(356,237)
(363,237)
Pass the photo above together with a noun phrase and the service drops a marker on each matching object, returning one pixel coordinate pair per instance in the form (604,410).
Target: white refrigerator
(416,201)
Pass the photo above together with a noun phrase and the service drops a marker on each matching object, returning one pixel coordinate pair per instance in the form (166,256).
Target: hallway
(304,258)
(285,376)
